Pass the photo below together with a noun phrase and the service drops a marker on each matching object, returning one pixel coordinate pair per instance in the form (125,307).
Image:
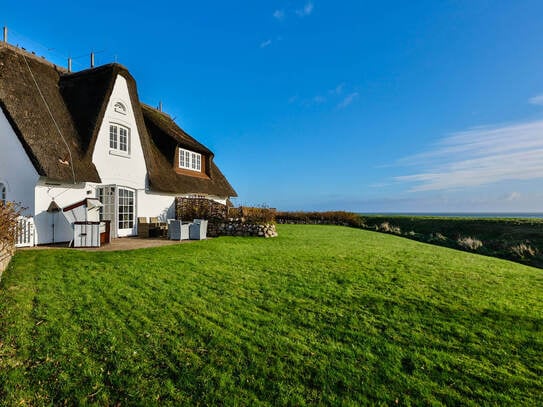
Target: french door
(119,208)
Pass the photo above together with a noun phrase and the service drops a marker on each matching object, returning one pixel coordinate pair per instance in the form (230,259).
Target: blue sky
(393,106)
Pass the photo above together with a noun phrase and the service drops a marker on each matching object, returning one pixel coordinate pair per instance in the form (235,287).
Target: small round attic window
(119,108)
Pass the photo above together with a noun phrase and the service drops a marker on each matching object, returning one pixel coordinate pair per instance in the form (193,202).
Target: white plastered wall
(17,172)
(125,170)
(64,195)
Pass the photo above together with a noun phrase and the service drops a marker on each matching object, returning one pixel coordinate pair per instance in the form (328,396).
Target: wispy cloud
(513,196)
(480,156)
(279,15)
(319,99)
(306,10)
(338,90)
(536,100)
(314,101)
(347,100)
(265,44)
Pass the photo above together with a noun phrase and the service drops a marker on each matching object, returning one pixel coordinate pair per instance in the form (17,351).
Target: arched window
(3,193)
(119,108)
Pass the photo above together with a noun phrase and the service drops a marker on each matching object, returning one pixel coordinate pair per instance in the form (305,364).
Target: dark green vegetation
(322,314)
(520,240)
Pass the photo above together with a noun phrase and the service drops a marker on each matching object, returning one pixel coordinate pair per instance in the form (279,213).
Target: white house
(69,136)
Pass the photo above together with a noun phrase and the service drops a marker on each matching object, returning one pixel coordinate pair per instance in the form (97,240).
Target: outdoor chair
(178,230)
(198,229)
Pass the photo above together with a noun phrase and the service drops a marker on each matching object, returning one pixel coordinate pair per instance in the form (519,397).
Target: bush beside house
(8,229)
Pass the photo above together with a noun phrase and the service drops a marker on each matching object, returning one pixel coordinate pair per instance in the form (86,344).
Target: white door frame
(114,211)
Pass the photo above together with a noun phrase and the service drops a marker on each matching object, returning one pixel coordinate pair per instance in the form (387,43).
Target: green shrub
(9,212)
(330,217)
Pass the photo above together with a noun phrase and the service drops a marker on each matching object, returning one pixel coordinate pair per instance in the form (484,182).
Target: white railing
(26,233)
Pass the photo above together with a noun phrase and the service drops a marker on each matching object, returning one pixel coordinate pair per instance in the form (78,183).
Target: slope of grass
(499,235)
(322,314)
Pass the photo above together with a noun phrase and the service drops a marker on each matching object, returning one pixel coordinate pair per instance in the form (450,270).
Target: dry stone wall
(238,228)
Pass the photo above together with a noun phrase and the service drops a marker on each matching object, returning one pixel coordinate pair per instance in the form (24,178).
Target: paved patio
(124,243)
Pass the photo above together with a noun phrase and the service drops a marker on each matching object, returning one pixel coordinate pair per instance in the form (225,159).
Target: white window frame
(126,208)
(190,160)
(116,144)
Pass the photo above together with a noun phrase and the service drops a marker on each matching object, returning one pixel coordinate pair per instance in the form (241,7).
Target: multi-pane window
(2,193)
(119,138)
(126,208)
(106,195)
(190,160)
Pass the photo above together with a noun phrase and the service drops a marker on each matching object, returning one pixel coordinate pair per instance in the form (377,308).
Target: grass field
(321,314)
(498,236)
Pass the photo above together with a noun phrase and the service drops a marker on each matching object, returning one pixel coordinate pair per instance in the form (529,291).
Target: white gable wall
(113,168)
(17,172)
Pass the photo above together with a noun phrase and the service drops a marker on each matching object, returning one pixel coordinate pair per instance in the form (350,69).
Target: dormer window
(190,160)
(119,108)
(119,139)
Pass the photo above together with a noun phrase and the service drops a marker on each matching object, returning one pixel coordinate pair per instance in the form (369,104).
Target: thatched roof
(165,137)
(76,104)
(29,116)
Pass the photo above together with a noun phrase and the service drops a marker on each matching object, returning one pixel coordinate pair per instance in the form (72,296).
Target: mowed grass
(321,314)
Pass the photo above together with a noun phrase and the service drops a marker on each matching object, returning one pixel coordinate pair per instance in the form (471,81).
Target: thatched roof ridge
(78,102)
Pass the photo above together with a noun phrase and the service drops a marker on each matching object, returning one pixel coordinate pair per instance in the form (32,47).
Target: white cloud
(347,100)
(306,10)
(513,196)
(338,90)
(480,156)
(265,44)
(536,100)
(279,15)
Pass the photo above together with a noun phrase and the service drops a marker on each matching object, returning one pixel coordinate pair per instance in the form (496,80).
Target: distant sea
(538,215)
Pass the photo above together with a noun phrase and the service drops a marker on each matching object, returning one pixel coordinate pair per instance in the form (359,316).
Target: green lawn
(321,314)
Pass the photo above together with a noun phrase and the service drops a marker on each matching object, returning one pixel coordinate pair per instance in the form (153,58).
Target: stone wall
(5,256)
(237,228)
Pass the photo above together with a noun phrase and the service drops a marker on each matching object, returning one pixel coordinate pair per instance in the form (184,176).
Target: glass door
(119,208)
(126,211)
